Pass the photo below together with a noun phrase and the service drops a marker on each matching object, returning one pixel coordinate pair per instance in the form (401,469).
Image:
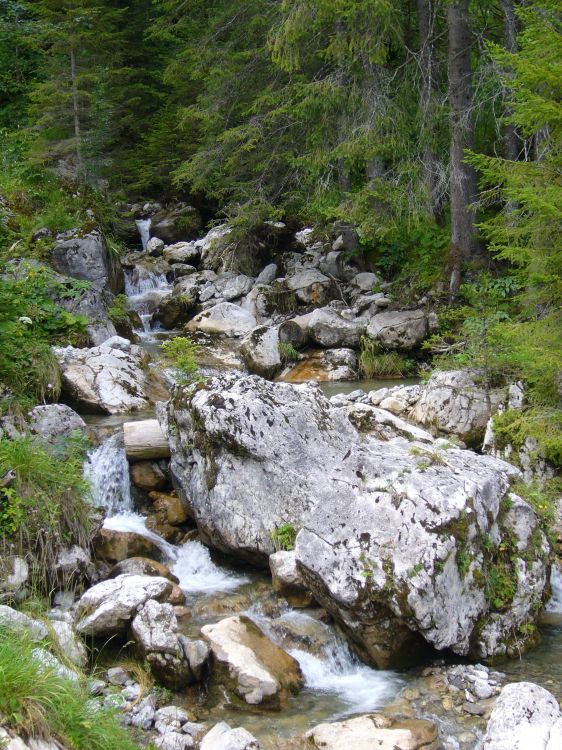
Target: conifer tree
(81,53)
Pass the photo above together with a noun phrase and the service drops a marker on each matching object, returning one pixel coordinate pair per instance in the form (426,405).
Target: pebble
(96,687)
(474,709)
(117,676)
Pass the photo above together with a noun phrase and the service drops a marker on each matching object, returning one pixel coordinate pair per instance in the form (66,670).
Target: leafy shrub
(46,508)
(181,354)
(35,701)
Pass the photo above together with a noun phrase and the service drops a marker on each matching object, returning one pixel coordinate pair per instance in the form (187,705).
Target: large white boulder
(260,351)
(525,717)
(457,402)
(108,607)
(309,285)
(223,737)
(329,329)
(401,329)
(375,731)
(86,257)
(397,536)
(112,378)
(176,661)
(224,318)
(53,421)
(249,666)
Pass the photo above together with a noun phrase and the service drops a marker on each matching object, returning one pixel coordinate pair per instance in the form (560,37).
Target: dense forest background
(433,127)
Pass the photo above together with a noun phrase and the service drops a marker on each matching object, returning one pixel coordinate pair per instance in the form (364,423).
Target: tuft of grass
(287,352)
(46,508)
(374,362)
(35,701)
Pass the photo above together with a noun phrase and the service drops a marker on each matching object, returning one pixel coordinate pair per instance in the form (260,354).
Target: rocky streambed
(317,566)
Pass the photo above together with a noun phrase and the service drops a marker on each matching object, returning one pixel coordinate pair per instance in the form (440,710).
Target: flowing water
(143,225)
(348,386)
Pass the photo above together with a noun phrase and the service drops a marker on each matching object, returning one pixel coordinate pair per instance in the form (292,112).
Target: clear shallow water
(348,386)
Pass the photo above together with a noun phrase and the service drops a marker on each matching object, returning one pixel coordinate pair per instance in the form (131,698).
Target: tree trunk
(426,20)
(464,245)
(76,114)
(510,25)
(292,333)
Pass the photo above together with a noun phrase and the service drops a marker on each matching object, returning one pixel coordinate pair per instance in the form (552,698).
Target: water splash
(143,225)
(107,470)
(133,522)
(339,672)
(555,601)
(333,669)
(141,280)
(197,572)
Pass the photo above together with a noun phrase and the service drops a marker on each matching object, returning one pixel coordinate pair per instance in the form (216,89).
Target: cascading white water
(143,225)
(197,573)
(555,601)
(145,289)
(107,470)
(335,669)
(142,280)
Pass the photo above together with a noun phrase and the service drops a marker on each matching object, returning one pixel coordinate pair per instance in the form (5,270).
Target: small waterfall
(334,669)
(143,225)
(142,280)
(555,601)
(197,573)
(145,290)
(339,671)
(107,470)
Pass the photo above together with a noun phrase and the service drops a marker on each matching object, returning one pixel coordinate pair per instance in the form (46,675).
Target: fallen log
(145,440)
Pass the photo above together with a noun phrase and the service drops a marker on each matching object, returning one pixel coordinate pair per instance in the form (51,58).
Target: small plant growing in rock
(284,537)
(181,354)
(119,310)
(374,362)
(287,352)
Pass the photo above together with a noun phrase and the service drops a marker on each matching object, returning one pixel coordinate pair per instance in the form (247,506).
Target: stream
(337,684)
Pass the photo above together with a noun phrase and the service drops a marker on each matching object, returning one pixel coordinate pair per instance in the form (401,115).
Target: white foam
(555,602)
(197,572)
(107,471)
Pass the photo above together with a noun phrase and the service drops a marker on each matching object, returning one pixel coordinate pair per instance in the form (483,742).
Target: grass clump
(35,701)
(119,311)
(284,537)
(287,352)
(181,354)
(374,362)
(45,508)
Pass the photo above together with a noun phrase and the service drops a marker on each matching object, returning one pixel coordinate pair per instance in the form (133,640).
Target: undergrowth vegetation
(375,362)
(181,354)
(45,508)
(284,537)
(36,701)
(30,321)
